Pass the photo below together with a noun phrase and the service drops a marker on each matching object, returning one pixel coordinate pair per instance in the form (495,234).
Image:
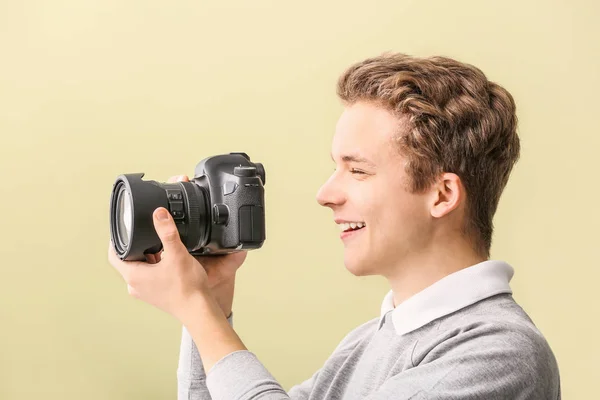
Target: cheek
(365,202)
(396,213)
(376,209)
(386,207)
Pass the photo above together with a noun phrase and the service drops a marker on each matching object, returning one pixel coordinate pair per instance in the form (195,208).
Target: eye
(356,171)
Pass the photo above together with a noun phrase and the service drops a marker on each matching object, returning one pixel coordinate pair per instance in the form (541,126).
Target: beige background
(91,89)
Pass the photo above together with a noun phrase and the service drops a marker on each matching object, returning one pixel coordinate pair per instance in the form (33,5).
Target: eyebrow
(356,158)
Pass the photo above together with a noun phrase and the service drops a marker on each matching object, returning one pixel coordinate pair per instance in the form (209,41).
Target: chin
(358,267)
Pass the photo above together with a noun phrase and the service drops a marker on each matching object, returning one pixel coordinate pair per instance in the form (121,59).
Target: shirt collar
(451,293)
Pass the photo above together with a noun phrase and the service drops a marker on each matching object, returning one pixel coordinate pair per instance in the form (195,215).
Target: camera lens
(133,202)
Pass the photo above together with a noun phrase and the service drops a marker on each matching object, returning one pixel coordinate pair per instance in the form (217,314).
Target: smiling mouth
(351,226)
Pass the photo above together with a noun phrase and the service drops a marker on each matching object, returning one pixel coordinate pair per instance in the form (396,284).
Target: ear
(448,194)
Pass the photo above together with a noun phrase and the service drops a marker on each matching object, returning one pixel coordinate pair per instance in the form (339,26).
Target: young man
(423,150)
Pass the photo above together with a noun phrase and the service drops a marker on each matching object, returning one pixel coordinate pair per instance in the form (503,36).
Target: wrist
(196,306)
(223,294)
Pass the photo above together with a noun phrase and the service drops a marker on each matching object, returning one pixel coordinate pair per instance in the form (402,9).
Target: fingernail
(180,178)
(162,215)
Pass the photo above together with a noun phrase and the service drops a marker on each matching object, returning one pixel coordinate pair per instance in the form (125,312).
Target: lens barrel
(132,205)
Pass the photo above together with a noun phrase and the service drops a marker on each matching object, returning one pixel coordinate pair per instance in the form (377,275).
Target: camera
(220,211)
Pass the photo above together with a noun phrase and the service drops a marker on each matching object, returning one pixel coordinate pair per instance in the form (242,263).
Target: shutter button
(244,171)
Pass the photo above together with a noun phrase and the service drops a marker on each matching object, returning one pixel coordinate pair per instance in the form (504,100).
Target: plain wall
(91,89)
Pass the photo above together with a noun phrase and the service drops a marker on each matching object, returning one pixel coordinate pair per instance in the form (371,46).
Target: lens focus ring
(195,201)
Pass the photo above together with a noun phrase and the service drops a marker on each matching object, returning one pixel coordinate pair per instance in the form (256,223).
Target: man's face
(370,187)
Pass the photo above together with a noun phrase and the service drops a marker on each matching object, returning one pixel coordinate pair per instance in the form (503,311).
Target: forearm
(191,377)
(208,327)
(232,372)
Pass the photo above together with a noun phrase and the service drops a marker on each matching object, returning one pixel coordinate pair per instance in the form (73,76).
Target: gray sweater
(449,342)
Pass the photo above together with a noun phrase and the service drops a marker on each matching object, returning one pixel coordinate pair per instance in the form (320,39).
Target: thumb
(167,232)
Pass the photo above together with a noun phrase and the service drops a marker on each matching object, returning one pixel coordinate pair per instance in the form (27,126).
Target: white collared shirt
(451,293)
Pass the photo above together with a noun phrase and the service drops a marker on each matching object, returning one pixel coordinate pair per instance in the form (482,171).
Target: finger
(155,257)
(129,270)
(178,178)
(151,258)
(168,233)
(236,258)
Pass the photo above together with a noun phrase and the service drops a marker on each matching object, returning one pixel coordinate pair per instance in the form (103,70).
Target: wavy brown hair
(453,119)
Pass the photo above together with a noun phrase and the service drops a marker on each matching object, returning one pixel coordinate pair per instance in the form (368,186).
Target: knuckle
(172,236)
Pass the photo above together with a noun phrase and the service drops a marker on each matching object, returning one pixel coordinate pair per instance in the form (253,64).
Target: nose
(330,193)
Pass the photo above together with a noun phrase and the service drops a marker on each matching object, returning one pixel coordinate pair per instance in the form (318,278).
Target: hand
(221,270)
(171,277)
(170,283)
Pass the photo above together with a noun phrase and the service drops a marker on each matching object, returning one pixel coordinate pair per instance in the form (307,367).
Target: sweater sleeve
(241,376)
(191,378)
(192,382)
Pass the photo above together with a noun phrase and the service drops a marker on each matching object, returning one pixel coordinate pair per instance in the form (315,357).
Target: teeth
(351,225)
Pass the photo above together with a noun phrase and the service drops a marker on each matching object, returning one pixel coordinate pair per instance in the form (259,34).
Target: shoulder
(497,323)
(357,335)
(496,336)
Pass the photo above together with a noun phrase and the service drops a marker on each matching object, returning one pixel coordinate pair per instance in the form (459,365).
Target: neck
(420,270)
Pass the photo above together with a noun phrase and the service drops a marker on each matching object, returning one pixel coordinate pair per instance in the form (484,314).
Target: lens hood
(145,197)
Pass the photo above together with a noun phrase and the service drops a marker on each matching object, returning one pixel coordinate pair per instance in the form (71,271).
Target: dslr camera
(220,211)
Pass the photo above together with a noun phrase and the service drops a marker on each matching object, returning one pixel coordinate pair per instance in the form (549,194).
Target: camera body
(235,195)
(220,210)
